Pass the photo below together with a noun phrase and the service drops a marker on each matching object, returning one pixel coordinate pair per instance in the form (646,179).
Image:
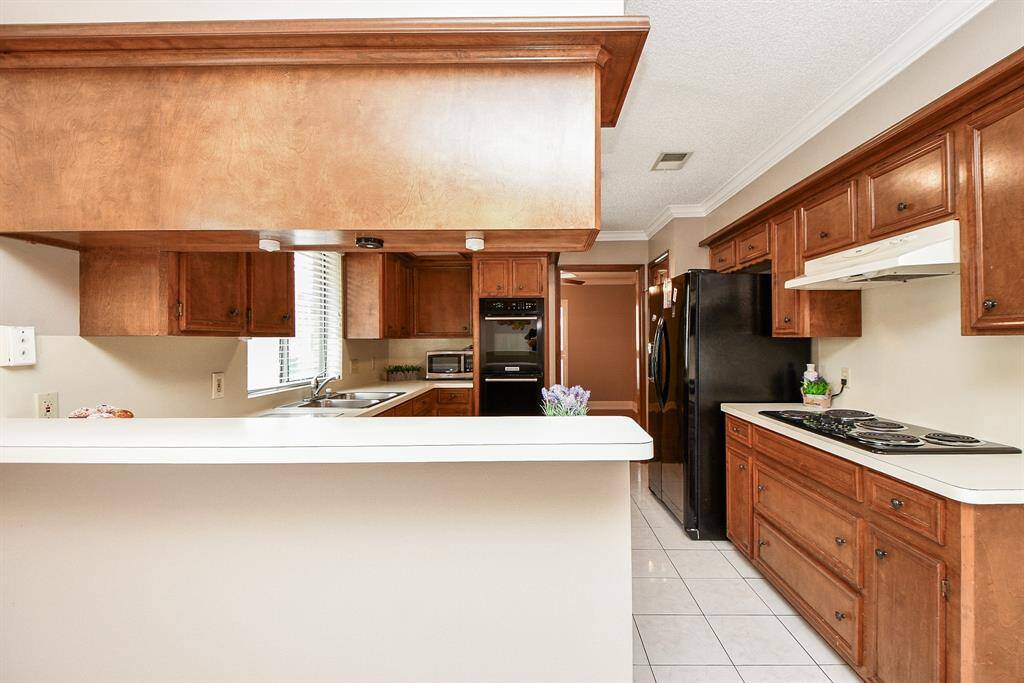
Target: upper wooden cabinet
(828,221)
(443,300)
(911,187)
(723,257)
(754,244)
(993,236)
(511,276)
(196,293)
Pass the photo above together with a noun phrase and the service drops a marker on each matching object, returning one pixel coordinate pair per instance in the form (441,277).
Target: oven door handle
(511,317)
(511,379)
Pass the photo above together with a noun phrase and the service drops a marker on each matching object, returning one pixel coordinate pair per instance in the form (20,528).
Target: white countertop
(977,479)
(283,441)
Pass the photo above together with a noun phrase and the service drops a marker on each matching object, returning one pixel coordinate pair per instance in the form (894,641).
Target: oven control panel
(511,306)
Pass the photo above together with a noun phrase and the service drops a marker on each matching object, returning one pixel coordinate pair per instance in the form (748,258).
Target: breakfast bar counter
(408,549)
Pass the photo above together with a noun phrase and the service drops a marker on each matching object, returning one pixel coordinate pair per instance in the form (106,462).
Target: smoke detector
(369,242)
(670,161)
(475,240)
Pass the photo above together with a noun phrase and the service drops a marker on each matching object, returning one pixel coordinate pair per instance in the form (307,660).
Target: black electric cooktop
(875,434)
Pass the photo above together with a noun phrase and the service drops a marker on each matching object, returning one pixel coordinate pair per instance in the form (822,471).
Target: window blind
(316,346)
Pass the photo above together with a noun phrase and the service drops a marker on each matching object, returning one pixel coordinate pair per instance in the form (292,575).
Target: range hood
(929,252)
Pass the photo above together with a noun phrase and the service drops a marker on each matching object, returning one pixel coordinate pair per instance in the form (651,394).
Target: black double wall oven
(511,356)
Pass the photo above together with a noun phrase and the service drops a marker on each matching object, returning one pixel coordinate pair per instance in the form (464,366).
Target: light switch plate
(217,391)
(48,405)
(17,345)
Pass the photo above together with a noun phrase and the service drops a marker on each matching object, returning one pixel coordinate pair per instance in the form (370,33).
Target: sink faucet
(317,384)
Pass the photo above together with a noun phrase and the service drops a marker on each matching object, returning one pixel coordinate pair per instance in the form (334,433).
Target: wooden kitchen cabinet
(800,313)
(513,276)
(908,586)
(737,499)
(754,245)
(828,221)
(443,300)
(378,296)
(993,238)
(911,188)
(723,257)
(142,292)
(905,592)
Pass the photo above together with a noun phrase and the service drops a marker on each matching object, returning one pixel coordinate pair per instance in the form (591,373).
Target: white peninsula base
(440,571)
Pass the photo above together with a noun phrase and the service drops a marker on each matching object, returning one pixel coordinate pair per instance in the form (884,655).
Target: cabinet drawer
(828,221)
(737,430)
(423,405)
(837,474)
(453,395)
(832,607)
(453,410)
(913,508)
(753,244)
(826,531)
(912,187)
(723,257)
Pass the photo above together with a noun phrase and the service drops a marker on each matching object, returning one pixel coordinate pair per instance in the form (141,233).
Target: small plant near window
(402,373)
(562,401)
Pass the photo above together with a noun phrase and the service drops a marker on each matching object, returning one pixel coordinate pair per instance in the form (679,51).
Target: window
(275,364)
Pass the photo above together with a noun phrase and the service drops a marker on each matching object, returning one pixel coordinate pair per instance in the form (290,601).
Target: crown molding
(671,212)
(622,236)
(932,29)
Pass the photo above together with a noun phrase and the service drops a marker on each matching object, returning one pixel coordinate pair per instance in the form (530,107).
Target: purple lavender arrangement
(560,400)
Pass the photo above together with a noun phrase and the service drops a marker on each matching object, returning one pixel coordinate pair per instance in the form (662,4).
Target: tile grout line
(793,635)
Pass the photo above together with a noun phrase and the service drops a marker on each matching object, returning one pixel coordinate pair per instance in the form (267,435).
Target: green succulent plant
(818,387)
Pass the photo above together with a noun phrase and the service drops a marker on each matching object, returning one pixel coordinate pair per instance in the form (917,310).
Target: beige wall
(606,253)
(152,376)
(911,361)
(680,238)
(601,339)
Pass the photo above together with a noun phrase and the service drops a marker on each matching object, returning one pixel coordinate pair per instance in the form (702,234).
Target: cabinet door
(906,598)
(754,244)
(397,297)
(738,499)
(528,276)
(211,290)
(828,221)
(911,188)
(785,266)
(443,301)
(723,257)
(994,235)
(405,303)
(492,277)
(271,291)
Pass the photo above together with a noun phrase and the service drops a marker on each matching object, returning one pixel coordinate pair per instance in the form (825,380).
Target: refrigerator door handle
(656,368)
(686,333)
(666,371)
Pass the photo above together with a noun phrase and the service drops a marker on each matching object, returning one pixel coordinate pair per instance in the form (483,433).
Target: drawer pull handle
(895,503)
(823,234)
(880,554)
(721,259)
(736,430)
(751,247)
(787,319)
(902,206)
(840,616)
(762,543)
(761,487)
(234,312)
(840,540)
(742,467)
(989,304)
(286,317)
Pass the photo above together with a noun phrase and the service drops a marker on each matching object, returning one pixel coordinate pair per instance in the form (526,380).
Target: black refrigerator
(711,343)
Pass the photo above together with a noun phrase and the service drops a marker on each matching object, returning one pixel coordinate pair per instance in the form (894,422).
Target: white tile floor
(702,613)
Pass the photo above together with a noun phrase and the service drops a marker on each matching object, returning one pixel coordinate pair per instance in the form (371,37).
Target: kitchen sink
(377,396)
(352,400)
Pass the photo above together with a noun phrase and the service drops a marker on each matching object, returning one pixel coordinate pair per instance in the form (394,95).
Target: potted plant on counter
(562,401)
(815,389)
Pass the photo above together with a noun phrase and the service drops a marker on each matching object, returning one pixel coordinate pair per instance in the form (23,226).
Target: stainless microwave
(450,364)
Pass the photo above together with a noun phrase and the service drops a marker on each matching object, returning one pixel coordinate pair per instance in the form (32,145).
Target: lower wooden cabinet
(454,402)
(141,292)
(906,585)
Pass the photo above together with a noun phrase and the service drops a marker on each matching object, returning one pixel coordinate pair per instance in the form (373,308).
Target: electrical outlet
(218,385)
(48,405)
(844,374)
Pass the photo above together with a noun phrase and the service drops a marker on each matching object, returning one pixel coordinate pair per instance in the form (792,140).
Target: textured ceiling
(725,79)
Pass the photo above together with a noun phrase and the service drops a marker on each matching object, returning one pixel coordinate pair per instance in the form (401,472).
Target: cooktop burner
(951,439)
(877,425)
(848,414)
(863,430)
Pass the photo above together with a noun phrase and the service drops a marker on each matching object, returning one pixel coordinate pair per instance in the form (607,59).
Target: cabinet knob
(840,540)
(233,312)
(902,206)
(787,319)
(761,487)
(989,304)
(499,287)
(880,554)
(522,286)
(721,259)
(735,430)
(465,327)
(742,467)
(751,247)
(823,234)
(762,543)
(286,317)
(840,615)
(895,503)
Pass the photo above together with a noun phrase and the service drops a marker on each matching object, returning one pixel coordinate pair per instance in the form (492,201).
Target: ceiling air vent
(670,161)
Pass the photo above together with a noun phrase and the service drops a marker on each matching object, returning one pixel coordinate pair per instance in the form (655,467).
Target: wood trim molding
(999,79)
(614,44)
